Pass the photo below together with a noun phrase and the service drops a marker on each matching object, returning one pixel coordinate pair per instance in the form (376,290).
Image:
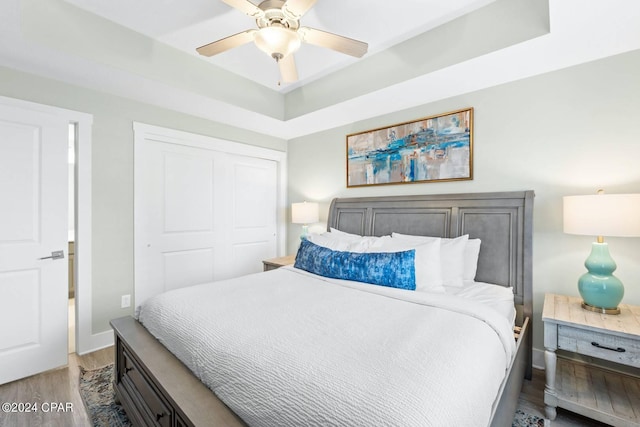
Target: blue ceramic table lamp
(304,213)
(614,215)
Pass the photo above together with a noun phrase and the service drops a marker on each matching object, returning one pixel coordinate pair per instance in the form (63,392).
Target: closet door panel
(201,214)
(253,205)
(177,225)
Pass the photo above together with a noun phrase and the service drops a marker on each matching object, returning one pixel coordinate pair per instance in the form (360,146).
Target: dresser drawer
(601,345)
(148,400)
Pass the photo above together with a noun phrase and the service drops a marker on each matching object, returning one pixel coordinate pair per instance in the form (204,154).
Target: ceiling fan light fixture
(277,42)
(279,34)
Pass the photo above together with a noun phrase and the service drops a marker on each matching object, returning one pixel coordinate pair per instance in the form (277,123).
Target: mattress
(499,298)
(289,348)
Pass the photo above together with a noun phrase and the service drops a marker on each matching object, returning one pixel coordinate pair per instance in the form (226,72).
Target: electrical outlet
(126,301)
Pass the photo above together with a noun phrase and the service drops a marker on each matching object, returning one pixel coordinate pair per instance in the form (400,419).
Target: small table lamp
(615,215)
(304,213)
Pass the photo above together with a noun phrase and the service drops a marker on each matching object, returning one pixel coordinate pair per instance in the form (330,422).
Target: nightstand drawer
(601,345)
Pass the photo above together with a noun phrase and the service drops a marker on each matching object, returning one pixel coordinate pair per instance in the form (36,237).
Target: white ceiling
(187,24)
(580,31)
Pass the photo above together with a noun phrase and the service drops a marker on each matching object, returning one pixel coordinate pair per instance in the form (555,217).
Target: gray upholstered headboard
(503,221)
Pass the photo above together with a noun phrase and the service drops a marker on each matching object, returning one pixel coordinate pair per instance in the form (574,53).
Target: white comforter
(288,348)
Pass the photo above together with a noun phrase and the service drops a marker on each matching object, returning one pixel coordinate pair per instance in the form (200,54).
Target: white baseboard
(538,359)
(96,342)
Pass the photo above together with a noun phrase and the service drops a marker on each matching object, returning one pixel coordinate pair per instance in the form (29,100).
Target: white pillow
(451,256)
(340,241)
(471,254)
(326,240)
(344,235)
(427,260)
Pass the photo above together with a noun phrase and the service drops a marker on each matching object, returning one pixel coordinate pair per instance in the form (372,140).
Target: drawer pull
(618,349)
(127,369)
(158,416)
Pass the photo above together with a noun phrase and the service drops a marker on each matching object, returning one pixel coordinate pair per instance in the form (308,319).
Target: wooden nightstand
(595,392)
(273,263)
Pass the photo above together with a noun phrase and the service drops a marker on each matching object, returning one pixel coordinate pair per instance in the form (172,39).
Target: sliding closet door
(177,224)
(253,203)
(201,215)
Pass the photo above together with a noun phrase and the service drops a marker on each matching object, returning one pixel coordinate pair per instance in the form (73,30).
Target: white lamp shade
(304,213)
(616,215)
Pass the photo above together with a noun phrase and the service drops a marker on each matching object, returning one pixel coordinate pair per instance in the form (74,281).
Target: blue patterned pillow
(393,269)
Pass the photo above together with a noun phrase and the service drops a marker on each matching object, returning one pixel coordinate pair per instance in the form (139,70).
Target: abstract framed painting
(432,149)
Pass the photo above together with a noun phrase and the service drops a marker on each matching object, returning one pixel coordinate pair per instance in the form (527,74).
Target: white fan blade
(297,8)
(245,6)
(288,70)
(226,43)
(333,41)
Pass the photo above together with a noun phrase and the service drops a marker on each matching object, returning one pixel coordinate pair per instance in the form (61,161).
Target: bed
(157,388)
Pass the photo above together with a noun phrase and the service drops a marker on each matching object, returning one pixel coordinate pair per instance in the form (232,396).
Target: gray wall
(567,132)
(112,173)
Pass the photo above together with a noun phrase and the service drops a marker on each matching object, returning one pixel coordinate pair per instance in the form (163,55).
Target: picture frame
(431,149)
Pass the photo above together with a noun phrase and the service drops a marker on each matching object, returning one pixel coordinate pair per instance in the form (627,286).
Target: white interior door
(253,206)
(201,215)
(33,224)
(176,217)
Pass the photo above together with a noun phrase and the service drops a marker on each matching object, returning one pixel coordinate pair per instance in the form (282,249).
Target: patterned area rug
(96,389)
(522,419)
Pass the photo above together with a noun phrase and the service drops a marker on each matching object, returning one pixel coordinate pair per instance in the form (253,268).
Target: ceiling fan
(279,34)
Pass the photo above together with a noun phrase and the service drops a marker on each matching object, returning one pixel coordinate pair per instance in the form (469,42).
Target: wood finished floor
(61,385)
